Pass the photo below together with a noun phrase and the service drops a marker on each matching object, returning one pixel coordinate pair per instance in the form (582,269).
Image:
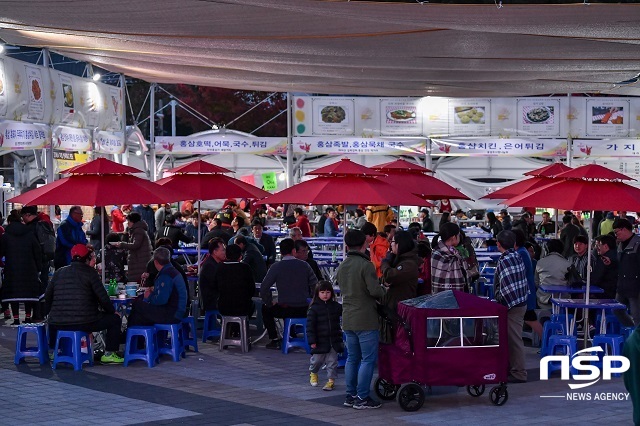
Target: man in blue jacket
(166,301)
(70,233)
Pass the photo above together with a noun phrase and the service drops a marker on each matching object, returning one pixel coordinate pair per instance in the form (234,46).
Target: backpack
(47,239)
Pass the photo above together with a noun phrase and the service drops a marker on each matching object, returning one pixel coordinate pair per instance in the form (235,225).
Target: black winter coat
(74,295)
(323,327)
(175,234)
(23,263)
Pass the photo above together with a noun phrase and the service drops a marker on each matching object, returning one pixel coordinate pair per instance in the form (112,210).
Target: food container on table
(131,289)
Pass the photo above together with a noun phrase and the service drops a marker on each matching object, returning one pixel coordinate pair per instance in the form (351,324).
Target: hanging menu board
(470,117)
(333,116)
(400,117)
(538,117)
(607,117)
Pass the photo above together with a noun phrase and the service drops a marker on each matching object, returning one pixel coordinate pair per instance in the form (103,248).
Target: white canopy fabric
(340,47)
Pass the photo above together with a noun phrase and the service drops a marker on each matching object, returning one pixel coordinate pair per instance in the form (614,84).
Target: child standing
(324,334)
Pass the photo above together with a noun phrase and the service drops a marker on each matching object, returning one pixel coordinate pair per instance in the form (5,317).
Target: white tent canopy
(340,47)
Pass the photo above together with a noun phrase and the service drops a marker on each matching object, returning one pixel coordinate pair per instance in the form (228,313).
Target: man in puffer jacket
(69,234)
(73,299)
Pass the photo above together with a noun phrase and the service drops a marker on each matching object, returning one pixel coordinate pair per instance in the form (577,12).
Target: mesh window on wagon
(448,332)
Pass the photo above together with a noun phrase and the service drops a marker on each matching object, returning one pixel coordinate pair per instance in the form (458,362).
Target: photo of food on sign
(469,115)
(607,115)
(36,91)
(401,115)
(68,95)
(333,114)
(538,115)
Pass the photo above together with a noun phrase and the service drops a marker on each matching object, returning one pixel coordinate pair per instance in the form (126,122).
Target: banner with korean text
(220,144)
(16,135)
(499,147)
(360,146)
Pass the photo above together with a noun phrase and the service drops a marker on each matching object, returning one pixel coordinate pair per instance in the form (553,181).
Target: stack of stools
(298,325)
(613,325)
(225,336)
(170,340)
(69,349)
(568,345)
(210,327)
(611,344)
(189,333)
(551,328)
(150,351)
(40,351)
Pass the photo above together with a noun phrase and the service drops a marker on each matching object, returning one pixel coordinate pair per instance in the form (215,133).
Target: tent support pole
(152,131)
(427,157)
(49,151)
(289,144)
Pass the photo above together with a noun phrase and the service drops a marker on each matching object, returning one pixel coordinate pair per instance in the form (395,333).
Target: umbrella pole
(556,223)
(104,263)
(199,240)
(585,327)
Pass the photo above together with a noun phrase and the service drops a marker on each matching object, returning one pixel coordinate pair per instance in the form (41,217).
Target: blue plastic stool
(40,351)
(612,345)
(69,349)
(342,358)
(613,325)
(149,353)
(211,327)
(295,342)
(550,328)
(175,346)
(189,333)
(569,344)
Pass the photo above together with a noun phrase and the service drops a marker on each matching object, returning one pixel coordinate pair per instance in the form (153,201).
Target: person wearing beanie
(77,300)
(400,272)
(447,265)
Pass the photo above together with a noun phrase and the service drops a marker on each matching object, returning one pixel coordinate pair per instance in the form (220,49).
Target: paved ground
(264,387)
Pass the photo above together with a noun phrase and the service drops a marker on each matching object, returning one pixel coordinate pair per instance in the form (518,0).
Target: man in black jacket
(266,241)
(628,288)
(605,268)
(252,257)
(234,284)
(73,297)
(217,255)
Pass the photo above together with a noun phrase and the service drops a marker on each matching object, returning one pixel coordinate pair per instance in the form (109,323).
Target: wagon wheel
(499,395)
(385,390)
(475,390)
(411,397)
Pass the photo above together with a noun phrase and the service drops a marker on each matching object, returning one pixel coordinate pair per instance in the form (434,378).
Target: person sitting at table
(115,258)
(166,301)
(76,300)
(580,258)
(302,253)
(494,225)
(217,255)
(551,270)
(302,222)
(139,247)
(567,235)
(234,284)
(331,224)
(547,226)
(173,232)
(215,231)
(605,268)
(251,256)
(149,276)
(294,281)
(266,241)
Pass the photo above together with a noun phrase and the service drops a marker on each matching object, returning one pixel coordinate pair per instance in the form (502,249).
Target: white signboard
(16,135)
(400,116)
(470,117)
(538,117)
(36,90)
(360,146)
(607,117)
(333,116)
(3,91)
(71,139)
(218,144)
(109,142)
(499,147)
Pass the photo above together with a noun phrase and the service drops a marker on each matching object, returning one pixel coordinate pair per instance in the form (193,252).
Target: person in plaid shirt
(511,290)
(447,266)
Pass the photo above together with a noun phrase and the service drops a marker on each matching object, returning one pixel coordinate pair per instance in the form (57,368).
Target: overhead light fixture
(282,177)
(138,153)
(1,48)
(96,76)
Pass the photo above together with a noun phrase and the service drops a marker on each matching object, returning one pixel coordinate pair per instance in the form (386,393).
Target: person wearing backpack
(46,237)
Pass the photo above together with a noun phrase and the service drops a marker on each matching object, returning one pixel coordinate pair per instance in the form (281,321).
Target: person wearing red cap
(73,299)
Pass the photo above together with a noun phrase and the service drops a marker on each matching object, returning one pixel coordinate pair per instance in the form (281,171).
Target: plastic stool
(342,358)
(294,342)
(210,327)
(613,325)
(189,333)
(149,353)
(69,349)
(227,340)
(550,328)
(175,347)
(528,333)
(40,351)
(570,346)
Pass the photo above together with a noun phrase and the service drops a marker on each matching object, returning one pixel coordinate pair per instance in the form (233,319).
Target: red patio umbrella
(549,171)
(101,166)
(413,178)
(542,176)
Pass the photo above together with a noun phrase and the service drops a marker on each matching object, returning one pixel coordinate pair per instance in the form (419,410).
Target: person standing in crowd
(530,317)
(217,255)
(605,268)
(164,210)
(628,289)
(567,235)
(166,301)
(77,300)
(400,273)
(578,223)
(511,290)
(631,350)
(117,219)
(445,206)
(360,219)
(148,216)
(447,266)
(187,208)
(226,214)
(70,233)
(506,220)
(174,232)
(139,247)
(360,292)
(114,259)
(598,217)
(606,226)
(547,226)
(331,224)
(378,245)
(95,229)
(294,281)
(266,241)
(302,222)
(324,334)
(302,253)
(526,225)
(427,223)
(380,215)
(23,263)
(494,225)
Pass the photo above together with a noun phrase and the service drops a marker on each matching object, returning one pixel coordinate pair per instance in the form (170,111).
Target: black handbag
(573,277)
